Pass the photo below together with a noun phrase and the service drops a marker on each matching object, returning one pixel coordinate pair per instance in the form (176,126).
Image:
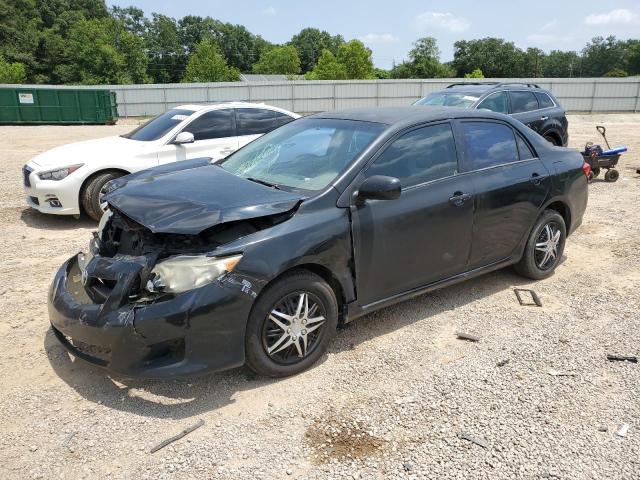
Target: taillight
(586,169)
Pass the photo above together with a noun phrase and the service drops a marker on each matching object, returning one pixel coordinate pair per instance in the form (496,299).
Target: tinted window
(255,121)
(214,124)
(159,126)
(523,102)
(307,154)
(544,100)
(524,149)
(489,144)
(496,103)
(441,99)
(419,156)
(282,119)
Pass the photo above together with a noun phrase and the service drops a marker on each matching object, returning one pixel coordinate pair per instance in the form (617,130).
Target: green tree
(602,55)
(402,70)
(327,68)
(633,59)
(12,72)
(616,72)
(208,65)
(534,60)
(559,64)
(425,60)
(167,58)
(477,73)
(494,56)
(132,18)
(356,59)
(311,42)
(240,47)
(279,60)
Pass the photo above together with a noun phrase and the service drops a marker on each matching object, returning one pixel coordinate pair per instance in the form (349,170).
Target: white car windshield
(462,100)
(306,154)
(158,126)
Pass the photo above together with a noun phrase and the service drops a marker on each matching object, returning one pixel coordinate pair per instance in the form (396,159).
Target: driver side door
(214,135)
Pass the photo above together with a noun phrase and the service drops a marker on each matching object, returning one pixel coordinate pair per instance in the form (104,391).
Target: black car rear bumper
(193,332)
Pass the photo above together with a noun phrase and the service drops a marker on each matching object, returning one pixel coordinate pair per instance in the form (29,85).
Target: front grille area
(26,171)
(91,353)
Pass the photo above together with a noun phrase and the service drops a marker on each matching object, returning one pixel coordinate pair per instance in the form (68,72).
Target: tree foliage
(208,65)
(477,73)
(311,42)
(279,60)
(328,68)
(12,72)
(424,62)
(356,59)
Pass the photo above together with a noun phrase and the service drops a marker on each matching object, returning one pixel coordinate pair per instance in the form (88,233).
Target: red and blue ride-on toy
(598,159)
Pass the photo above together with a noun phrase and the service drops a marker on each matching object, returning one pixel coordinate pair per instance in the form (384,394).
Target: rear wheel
(595,171)
(611,175)
(552,140)
(291,325)
(544,247)
(91,194)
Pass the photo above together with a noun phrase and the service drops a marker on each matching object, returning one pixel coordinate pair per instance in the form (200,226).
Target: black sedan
(257,259)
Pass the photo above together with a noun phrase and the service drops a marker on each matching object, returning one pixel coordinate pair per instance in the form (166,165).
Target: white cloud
(551,24)
(270,10)
(443,20)
(374,38)
(620,16)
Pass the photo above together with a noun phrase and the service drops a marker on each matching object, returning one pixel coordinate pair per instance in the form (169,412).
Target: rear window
(158,126)
(444,99)
(544,100)
(255,121)
(523,102)
(489,144)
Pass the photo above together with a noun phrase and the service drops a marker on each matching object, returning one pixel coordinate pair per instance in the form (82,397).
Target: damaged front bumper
(192,332)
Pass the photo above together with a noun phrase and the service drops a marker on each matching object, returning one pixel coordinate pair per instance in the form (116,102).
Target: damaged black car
(256,259)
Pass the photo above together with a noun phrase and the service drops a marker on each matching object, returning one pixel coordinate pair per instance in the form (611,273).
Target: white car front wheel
(90,196)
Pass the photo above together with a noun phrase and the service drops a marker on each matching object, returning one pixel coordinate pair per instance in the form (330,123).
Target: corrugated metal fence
(575,94)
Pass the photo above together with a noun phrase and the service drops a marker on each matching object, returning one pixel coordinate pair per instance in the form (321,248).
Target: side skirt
(355,310)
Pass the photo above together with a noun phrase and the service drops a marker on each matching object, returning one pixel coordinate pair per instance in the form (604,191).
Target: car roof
(216,105)
(478,88)
(401,116)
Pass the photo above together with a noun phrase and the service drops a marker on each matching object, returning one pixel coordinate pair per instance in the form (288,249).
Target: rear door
(214,135)
(510,185)
(423,236)
(254,122)
(496,102)
(525,108)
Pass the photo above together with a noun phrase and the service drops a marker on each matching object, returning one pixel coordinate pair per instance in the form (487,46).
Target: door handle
(544,118)
(459,198)
(536,178)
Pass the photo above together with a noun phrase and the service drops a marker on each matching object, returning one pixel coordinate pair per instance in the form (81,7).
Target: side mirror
(184,137)
(379,187)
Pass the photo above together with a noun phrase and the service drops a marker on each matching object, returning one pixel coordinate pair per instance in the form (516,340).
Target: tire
(611,175)
(90,194)
(531,264)
(595,171)
(265,339)
(591,176)
(552,140)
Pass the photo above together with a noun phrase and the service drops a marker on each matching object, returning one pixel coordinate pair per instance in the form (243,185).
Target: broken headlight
(59,173)
(186,272)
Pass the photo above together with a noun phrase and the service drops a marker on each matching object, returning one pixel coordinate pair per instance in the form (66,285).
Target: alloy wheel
(547,245)
(293,328)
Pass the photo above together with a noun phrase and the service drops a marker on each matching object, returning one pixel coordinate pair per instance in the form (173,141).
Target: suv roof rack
(472,83)
(532,85)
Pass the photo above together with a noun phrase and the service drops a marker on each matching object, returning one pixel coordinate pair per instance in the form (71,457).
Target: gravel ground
(397,396)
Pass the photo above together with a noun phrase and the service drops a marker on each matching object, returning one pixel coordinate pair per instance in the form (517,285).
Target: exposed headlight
(103,222)
(186,272)
(59,173)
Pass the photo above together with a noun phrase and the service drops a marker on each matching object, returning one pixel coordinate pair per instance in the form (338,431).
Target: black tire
(261,330)
(552,140)
(90,194)
(596,171)
(611,175)
(591,176)
(531,265)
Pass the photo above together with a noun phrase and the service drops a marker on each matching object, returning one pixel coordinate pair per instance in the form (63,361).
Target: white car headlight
(59,173)
(186,272)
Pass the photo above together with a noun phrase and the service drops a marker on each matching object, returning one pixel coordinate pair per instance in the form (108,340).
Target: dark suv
(537,108)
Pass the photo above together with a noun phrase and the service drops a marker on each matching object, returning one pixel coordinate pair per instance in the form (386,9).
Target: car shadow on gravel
(35,219)
(186,397)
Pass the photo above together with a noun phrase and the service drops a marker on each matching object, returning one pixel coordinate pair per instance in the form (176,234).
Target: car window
(213,124)
(496,102)
(307,154)
(255,121)
(523,102)
(419,156)
(442,99)
(523,148)
(158,126)
(282,119)
(544,100)
(489,144)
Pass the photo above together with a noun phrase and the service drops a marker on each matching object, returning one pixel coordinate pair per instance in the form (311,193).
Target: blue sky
(389,27)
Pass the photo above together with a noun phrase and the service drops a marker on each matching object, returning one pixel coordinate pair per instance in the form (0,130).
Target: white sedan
(70,178)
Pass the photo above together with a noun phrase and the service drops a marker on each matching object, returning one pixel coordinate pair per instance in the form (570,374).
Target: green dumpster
(24,105)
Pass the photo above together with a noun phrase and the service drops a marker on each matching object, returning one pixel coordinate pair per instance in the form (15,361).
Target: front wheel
(291,325)
(544,247)
(91,194)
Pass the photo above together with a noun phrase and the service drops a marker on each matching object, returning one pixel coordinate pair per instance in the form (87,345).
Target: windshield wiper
(263,182)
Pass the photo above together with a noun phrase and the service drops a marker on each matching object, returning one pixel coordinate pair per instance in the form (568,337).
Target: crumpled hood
(86,151)
(190,196)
